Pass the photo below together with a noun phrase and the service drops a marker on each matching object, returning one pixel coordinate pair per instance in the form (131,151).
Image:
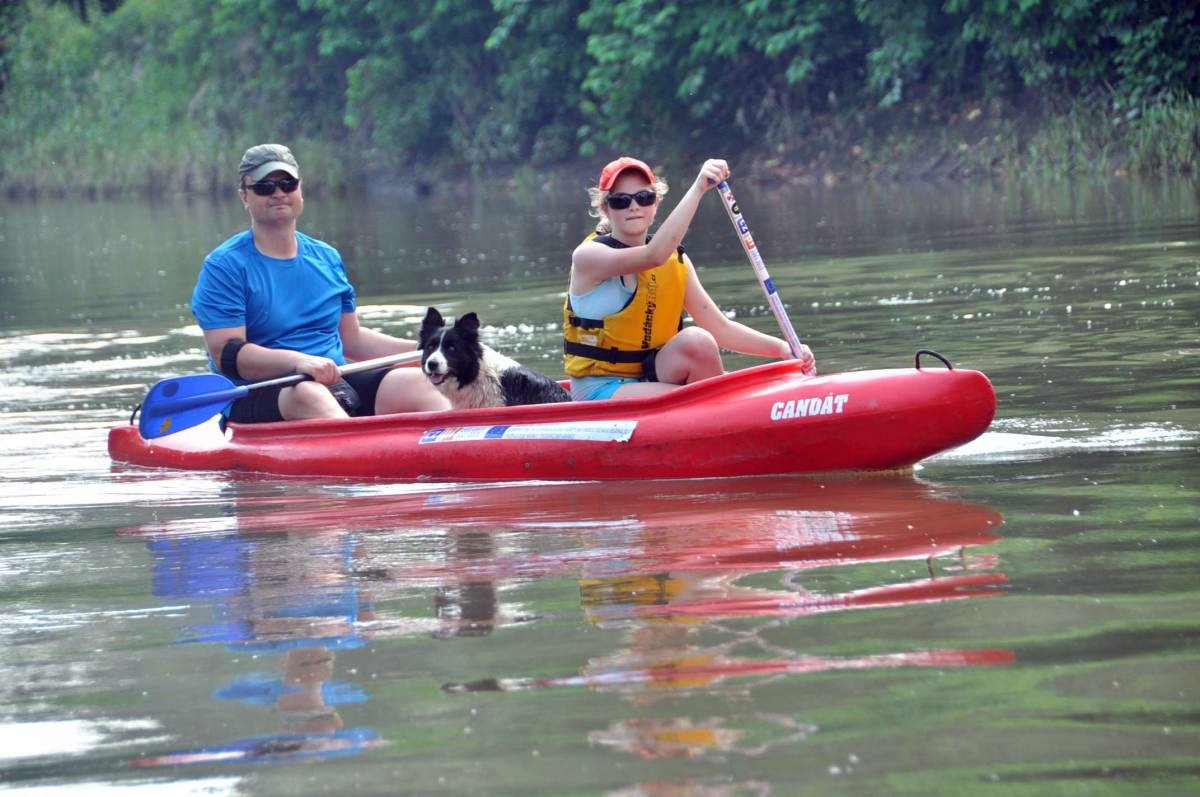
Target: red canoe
(769,419)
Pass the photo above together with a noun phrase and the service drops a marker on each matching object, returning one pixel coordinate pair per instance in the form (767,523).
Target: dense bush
(118,94)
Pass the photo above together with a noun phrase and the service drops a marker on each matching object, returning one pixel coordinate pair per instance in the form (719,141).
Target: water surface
(1017,616)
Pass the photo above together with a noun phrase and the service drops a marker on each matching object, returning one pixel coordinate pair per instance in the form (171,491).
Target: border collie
(472,374)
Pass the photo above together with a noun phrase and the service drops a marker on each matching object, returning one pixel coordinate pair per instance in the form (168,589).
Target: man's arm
(254,363)
(361,343)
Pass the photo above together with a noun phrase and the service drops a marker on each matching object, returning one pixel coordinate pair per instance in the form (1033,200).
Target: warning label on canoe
(588,431)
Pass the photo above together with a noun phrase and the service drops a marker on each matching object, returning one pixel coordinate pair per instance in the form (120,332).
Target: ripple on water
(1000,445)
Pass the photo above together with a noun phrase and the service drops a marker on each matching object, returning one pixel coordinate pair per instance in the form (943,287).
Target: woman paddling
(623,318)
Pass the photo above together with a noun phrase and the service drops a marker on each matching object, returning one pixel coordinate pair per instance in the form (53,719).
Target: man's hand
(321,369)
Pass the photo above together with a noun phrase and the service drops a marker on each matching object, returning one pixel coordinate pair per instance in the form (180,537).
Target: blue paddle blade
(182,402)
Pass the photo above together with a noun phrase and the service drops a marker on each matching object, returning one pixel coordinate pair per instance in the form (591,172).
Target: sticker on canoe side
(808,407)
(588,431)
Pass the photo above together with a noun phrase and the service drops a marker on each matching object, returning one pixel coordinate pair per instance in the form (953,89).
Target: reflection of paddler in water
(465,600)
(267,593)
(661,643)
(663,612)
(702,571)
(681,737)
(662,657)
(287,594)
(467,607)
(303,693)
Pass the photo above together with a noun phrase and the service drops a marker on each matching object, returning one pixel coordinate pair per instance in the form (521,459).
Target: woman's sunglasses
(621,201)
(267,187)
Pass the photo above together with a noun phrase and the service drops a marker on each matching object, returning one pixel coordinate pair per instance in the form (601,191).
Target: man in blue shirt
(274,301)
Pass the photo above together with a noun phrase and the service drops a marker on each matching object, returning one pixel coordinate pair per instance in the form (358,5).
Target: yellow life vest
(617,344)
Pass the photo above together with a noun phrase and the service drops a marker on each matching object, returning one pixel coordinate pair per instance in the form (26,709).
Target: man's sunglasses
(621,201)
(267,187)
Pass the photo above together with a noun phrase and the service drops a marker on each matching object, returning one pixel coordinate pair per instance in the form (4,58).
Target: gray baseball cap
(261,160)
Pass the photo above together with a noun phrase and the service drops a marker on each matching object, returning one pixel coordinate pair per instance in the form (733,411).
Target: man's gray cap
(261,160)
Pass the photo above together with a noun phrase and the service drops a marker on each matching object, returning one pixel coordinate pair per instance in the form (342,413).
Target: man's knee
(309,400)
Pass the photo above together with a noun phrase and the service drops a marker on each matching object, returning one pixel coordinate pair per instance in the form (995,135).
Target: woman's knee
(696,342)
(691,355)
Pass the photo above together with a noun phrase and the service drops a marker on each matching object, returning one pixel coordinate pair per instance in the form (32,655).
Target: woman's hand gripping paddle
(182,402)
(760,269)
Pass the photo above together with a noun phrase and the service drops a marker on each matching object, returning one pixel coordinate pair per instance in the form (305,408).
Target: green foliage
(464,82)
(13,17)
(538,107)
(274,70)
(52,55)
(1138,48)
(913,44)
(132,92)
(1167,139)
(707,74)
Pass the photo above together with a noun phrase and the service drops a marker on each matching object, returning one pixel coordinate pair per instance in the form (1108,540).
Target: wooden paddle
(182,402)
(760,268)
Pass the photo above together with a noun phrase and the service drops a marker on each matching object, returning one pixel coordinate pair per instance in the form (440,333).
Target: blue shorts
(593,388)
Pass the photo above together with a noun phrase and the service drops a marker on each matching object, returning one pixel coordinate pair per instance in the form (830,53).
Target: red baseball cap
(610,173)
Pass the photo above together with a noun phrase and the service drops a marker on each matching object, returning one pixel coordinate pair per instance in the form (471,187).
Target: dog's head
(450,356)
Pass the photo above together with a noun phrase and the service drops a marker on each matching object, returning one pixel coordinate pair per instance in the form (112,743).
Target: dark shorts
(356,393)
(649,369)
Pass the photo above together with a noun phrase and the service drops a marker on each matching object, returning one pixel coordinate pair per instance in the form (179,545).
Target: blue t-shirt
(292,304)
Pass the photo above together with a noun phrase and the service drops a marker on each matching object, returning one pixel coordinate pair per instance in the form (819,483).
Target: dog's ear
(468,323)
(433,322)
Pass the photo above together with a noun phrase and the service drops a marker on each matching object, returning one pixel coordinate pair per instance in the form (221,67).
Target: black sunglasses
(267,187)
(621,201)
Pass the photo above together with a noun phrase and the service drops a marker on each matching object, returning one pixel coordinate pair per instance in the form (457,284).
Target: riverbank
(971,142)
(986,141)
(974,142)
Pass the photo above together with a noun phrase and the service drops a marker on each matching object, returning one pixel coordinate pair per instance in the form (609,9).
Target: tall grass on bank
(1166,139)
(90,153)
(1162,137)
(1078,142)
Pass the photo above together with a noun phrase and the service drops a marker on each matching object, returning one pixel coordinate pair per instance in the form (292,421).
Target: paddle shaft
(181,402)
(760,268)
(346,370)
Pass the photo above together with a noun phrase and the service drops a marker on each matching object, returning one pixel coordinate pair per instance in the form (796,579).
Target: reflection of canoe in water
(607,530)
(675,553)
(769,419)
(829,516)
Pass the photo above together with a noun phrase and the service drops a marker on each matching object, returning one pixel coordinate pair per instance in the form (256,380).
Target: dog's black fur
(472,374)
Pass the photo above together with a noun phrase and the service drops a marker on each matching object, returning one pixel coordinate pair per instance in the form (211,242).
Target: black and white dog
(472,374)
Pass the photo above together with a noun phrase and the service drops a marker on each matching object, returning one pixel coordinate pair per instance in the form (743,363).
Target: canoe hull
(769,419)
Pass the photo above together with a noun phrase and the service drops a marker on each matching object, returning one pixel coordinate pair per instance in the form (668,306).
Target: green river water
(1015,617)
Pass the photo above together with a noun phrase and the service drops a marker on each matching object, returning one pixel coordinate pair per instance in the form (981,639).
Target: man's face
(269,201)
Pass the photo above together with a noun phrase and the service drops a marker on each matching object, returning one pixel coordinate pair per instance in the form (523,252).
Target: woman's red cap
(610,173)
